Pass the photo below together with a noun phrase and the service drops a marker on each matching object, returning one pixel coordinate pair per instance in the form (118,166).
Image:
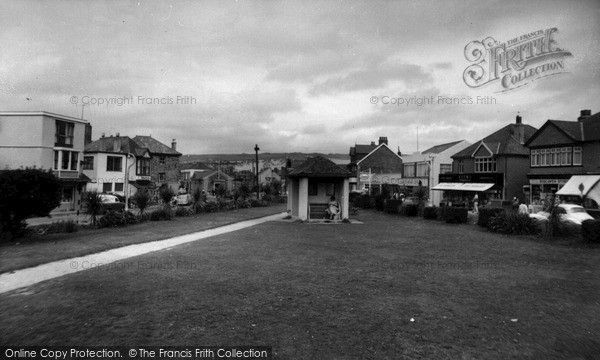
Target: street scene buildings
(300,180)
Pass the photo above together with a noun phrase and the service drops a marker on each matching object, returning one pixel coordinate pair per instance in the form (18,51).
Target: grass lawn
(332,292)
(40,249)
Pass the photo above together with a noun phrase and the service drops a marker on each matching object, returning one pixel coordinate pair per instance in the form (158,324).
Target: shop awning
(586,182)
(463,186)
(447,186)
(476,186)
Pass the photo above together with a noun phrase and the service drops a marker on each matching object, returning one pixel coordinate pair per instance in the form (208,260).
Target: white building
(48,141)
(424,168)
(108,160)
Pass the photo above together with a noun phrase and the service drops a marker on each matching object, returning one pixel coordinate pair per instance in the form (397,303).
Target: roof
(442,147)
(43,113)
(203,174)
(319,167)
(502,142)
(361,151)
(155,146)
(382,145)
(124,144)
(586,129)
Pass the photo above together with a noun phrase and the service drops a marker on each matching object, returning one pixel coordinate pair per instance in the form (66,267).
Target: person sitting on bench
(333,208)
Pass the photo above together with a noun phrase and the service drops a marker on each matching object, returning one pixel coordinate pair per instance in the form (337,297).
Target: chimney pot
(383,140)
(519,119)
(103,135)
(174,145)
(584,114)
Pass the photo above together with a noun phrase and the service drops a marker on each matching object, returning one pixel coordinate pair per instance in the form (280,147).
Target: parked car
(112,203)
(574,214)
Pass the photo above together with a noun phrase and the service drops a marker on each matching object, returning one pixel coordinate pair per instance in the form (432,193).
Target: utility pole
(256,148)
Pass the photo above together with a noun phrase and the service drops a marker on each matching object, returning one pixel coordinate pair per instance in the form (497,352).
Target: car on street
(112,203)
(569,213)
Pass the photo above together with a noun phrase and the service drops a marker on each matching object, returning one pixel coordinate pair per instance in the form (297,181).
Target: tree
(166,195)
(94,206)
(141,199)
(25,193)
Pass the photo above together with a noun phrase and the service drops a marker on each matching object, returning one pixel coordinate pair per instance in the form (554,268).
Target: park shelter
(311,184)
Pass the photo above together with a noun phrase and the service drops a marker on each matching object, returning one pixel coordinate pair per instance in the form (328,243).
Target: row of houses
(516,161)
(111,164)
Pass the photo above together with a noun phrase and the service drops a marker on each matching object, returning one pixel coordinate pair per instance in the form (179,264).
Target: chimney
(383,140)
(103,135)
(519,119)
(117,134)
(399,152)
(117,145)
(372,143)
(584,114)
(174,145)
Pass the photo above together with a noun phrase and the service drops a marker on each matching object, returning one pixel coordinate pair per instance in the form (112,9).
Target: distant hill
(244,157)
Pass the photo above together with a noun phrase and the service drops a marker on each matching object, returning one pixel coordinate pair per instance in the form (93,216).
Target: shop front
(543,187)
(459,189)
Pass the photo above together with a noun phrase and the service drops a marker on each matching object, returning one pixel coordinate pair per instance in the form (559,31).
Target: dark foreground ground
(332,292)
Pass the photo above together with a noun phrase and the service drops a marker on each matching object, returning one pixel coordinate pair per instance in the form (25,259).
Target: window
(556,157)
(113,163)
(535,157)
(106,187)
(565,158)
(74,160)
(67,194)
(161,177)
(185,176)
(544,161)
(88,163)
(409,170)
(485,164)
(142,167)
(313,188)
(162,160)
(577,155)
(423,170)
(64,133)
(56,154)
(461,166)
(445,168)
(118,186)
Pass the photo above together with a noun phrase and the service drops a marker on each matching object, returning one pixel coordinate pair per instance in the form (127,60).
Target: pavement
(30,276)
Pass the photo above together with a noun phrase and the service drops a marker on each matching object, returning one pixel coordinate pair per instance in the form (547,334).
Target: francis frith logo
(514,63)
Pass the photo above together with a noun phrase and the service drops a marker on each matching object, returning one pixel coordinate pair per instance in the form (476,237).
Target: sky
(290,76)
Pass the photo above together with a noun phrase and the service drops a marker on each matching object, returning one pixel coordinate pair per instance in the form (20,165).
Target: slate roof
(155,146)
(319,167)
(502,142)
(587,129)
(107,145)
(439,148)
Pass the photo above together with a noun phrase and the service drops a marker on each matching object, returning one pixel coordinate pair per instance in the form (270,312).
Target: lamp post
(127,179)
(431,171)
(256,148)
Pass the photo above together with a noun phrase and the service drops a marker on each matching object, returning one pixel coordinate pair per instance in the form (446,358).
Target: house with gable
(164,163)
(110,160)
(562,152)
(366,161)
(494,167)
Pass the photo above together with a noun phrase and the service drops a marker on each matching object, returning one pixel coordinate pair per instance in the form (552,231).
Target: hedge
(455,215)
(409,210)
(590,229)
(510,222)
(430,213)
(486,214)
(392,206)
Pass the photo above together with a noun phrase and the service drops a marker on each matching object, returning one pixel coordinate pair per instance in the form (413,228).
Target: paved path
(27,277)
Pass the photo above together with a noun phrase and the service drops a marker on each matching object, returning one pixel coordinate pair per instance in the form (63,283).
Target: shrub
(409,210)
(510,222)
(392,206)
(161,214)
(68,226)
(430,213)
(485,214)
(25,193)
(166,195)
(93,205)
(115,219)
(590,229)
(182,211)
(362,201)
(141,199)
(455,215)
(258,203)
